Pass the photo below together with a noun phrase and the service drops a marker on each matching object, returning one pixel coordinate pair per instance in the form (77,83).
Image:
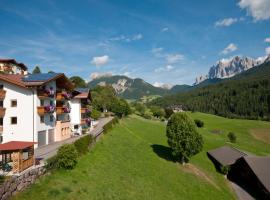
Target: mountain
(129,88)
(227,68)
(245,95)
(180,88)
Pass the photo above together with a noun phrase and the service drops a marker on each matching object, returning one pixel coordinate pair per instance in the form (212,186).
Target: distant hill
(246,95)
(129,88)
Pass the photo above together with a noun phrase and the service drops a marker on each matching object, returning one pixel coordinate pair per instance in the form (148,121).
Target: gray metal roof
(226,155)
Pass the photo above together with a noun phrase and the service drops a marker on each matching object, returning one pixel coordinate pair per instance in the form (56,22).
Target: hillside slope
(246,95)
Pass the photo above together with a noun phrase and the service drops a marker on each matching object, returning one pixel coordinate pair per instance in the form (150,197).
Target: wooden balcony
(61,110)
(84,110)
(2,94)
(60,96)
(42,111)
(2,112)
(43,94)
(83,121)
(1,129)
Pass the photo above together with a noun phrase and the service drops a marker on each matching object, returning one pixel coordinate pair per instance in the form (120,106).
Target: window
(14,103)
(51,118)
(1,121)
(1,87)
(41,102)
(13,120)
(51,103)
(42,119)
(1,104)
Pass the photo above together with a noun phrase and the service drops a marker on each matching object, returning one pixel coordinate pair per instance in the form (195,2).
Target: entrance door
(41,138)
(51,136)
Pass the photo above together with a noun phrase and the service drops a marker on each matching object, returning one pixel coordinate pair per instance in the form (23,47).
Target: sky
(161,41)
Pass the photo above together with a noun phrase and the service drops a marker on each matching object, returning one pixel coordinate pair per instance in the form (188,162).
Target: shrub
(232,137)
(183,137)
(110,124)
(225,170)
(199,123)
(95,114)
(168,112)
(157,111)
(82,144)
(147,116)
(66,158)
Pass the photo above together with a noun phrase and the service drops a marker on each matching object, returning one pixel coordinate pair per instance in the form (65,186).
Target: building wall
(23,130)
(75,115)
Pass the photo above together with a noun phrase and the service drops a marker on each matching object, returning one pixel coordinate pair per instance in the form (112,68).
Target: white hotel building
(41,108)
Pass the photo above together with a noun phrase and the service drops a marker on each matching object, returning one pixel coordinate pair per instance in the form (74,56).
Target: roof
(226,155)
(15,145)
(33,80)
(260,166)
(81,90)
(13,61)
(82,96)
(82,93)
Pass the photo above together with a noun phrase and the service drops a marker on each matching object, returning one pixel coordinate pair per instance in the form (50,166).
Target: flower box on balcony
(42,110)
(63,96)
(46,93)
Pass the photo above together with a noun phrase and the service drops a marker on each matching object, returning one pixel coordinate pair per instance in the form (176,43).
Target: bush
(110,124)
(95,114)
(66,158)
(225,170)
(157,111)
(183,137)
(232,137)
(82,144)
(168,112)
(199,123)
(147,116)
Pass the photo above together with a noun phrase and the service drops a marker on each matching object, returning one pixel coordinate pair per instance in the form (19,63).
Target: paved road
(50,150)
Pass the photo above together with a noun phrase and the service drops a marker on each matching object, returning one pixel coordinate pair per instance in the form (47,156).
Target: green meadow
(133,162)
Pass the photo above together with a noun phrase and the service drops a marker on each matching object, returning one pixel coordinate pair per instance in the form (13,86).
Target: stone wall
(16,183)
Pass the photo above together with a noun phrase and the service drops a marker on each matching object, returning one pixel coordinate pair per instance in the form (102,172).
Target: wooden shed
(18,155)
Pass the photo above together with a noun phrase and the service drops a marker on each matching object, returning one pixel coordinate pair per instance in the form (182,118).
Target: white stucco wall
(75,114)
(23,130)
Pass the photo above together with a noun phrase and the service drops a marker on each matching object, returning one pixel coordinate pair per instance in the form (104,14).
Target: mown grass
(133,161)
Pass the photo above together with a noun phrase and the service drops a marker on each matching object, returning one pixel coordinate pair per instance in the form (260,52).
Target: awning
(15,145)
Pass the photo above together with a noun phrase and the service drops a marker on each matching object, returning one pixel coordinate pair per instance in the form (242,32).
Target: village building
(250,172)
(11,66)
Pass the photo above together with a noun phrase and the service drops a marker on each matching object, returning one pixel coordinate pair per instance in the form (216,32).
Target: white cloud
(96,75)
(157,50)
(226,22)
(164,29)
(267,40)
(258,9)
(125,38)
(267,51)
(174,58)
(163,85)
(101,60)
(230,48)
(167,68)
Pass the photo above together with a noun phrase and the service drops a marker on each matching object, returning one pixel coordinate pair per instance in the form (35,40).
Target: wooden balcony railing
(62,110)
(2,93)
(1,129)
(84,110)
(42,110)
(60,96)
(2,112)
(27,163)
(42,94)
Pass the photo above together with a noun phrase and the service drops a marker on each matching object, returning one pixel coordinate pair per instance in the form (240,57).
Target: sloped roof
(226,155)
(33,80)
(261,168)
(13,61)
(15,145)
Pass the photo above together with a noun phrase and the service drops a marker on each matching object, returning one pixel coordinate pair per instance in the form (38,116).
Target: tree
(199,123)
(232,137)
(140,108)
(183,137)
(168,112)
(157,111)
(36,70)
(78,82)
(95,114)
(121,108)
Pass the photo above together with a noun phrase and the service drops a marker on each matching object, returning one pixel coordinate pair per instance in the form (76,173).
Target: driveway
(50,150)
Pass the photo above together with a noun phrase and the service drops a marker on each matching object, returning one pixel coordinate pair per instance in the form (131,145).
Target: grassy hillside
(246,95)
(133,162)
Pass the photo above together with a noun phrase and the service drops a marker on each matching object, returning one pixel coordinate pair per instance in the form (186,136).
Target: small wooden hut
(18,155)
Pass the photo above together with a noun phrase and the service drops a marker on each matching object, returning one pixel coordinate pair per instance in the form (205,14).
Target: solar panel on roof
(82,90)
(39,77)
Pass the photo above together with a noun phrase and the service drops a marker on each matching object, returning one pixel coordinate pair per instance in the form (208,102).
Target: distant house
(176,108)
(11,66)
(252,172)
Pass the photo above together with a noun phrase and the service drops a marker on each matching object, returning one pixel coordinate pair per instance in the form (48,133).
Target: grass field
(133,162)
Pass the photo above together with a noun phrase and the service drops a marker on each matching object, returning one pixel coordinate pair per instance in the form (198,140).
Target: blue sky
(169,41)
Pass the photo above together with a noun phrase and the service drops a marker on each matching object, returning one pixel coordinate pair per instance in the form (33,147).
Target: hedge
(82,144)
(110,125)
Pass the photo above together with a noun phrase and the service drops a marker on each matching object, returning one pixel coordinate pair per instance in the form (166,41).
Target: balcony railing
(85,110)
(1,129)
(2,112)
(2,94)
(62,110)
(60,96)
(46,93)
(86,121)
(42,110)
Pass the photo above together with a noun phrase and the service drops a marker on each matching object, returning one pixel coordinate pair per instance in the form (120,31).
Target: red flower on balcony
(50,108)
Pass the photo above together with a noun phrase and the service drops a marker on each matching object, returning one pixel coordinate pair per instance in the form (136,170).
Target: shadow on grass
(163,152)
